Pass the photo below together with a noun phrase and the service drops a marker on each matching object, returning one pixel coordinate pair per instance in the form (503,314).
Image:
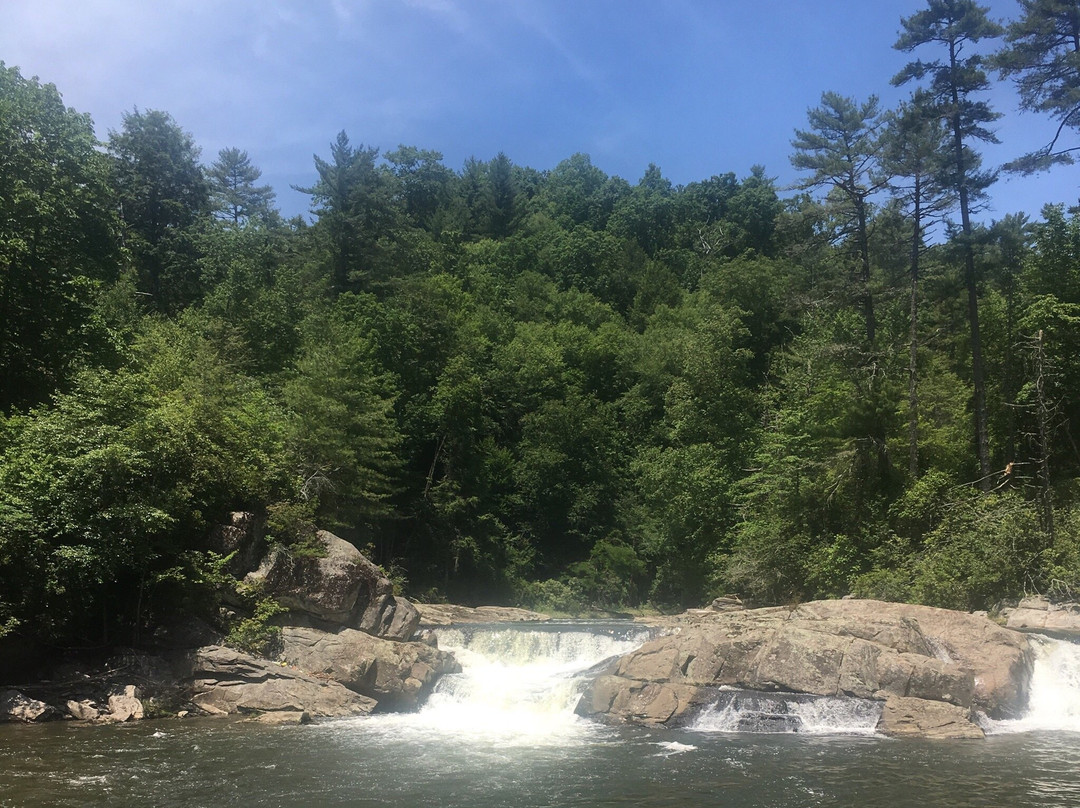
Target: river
(503,733)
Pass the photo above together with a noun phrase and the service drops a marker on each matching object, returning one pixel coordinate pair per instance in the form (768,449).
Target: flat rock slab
(224,681)
(446,614)
(854,648)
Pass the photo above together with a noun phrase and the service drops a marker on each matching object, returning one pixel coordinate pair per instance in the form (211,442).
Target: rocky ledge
(934,669)
(447,614)
(345,649)
(1037,614)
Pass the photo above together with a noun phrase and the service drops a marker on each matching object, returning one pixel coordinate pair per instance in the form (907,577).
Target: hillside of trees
(557,389)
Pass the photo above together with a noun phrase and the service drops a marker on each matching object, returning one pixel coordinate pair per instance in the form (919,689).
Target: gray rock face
(16,706)
(343,588)
(399,675)
(1037,614)
(865,649)
(224,681)
(241,537)
(445,614)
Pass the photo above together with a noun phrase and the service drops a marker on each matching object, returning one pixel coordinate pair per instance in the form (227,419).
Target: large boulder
(1037,614)
(341,587)
(17,706)
(223,681)
(857,648)
(447,614)
(399,675)
(126,705)
(919,718)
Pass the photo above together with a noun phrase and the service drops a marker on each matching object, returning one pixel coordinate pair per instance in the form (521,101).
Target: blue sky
(699,87)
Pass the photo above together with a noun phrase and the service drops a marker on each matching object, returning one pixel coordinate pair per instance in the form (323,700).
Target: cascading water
(1054,700)
(751,711)
(518,685)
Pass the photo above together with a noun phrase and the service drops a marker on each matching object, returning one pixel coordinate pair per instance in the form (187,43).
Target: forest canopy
(555,388)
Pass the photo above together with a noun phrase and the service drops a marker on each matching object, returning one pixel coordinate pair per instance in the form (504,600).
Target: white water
(1054,700)
(518,686)
(746,711)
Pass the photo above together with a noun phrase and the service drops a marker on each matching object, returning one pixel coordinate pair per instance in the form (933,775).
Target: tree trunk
(913,343)
(982,442)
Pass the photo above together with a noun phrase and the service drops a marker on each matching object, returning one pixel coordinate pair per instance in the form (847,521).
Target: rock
(126,706)
(224,681)
(920,718)
(399,675)
(1037,614)
(342,587)
(646,703)
(283,718)
(445,614)
(241,538)
(16,706)
(857,648)
(727,603)
(84,710)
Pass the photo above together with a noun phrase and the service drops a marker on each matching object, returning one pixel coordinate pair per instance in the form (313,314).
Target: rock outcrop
(342,588)
(1037,614)
(865,649)
(398,675)
(224,681)
(446,614)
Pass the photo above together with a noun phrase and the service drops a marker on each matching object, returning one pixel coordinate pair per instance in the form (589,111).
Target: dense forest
(558,389)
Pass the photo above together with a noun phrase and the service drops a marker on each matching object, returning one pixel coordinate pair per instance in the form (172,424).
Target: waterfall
(1054,700)
(753,711)
(518,685)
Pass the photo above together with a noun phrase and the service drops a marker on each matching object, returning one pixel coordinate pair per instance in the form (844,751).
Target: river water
(503,733)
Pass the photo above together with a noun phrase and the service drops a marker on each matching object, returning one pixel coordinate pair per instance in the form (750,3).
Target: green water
(372,762)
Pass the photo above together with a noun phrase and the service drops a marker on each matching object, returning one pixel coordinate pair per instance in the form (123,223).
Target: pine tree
(233,193)
(1043,56)
(956,25)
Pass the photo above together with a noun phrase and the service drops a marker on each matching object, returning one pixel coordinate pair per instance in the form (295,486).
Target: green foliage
(985,549)
(256,634)
(551,387)
(57,241)
(292,525)
(164,198)
(107,490)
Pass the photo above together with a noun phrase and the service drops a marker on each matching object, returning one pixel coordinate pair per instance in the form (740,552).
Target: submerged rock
(848,648)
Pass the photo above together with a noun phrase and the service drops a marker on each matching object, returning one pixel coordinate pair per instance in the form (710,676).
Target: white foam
(518,687)
(674,748)
(1054,700)
(746,711)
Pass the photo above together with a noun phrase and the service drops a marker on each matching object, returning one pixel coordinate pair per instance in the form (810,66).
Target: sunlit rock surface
(852,648)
